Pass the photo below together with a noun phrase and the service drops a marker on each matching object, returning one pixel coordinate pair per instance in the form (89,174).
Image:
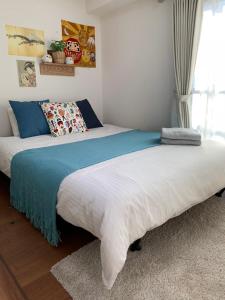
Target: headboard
(5,128)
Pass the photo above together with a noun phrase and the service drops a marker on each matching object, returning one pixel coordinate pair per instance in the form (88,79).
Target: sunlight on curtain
(208,101)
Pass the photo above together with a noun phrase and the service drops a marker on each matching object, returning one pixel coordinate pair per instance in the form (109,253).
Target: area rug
(183,259)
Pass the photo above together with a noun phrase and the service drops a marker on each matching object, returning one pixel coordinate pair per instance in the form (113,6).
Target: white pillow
(13,122)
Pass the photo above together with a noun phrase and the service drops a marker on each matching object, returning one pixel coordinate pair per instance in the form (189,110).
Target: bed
(120,199)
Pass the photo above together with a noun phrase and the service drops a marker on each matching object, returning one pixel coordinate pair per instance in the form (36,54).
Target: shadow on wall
(5,128)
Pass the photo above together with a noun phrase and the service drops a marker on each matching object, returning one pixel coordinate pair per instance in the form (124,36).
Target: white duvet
(122,198)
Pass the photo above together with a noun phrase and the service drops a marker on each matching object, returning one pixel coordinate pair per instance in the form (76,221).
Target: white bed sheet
(9,146)
(121,199)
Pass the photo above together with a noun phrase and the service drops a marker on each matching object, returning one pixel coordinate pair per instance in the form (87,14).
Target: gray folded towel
(180,142)
(185,134)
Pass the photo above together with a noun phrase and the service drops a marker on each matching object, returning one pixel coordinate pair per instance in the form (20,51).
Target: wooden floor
(25,256)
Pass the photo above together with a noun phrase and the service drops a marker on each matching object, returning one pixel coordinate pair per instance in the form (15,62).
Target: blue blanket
(36,174)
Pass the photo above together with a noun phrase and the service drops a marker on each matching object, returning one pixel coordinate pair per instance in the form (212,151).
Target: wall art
(26,73)
(25,41)
(80,43)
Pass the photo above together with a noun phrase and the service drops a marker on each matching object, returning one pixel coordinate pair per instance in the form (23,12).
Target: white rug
(183,259)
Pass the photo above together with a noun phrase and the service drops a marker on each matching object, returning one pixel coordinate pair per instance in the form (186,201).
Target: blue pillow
(88,114)
(30,118)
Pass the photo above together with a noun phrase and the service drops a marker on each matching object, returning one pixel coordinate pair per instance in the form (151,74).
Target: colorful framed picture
(80,43)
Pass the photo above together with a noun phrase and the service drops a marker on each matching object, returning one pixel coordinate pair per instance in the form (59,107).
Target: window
(208,101)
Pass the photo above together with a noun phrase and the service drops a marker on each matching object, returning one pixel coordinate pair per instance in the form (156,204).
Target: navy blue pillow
(88,114)
(30,118)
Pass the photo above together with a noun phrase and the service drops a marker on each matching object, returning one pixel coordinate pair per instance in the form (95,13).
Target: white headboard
(5,128)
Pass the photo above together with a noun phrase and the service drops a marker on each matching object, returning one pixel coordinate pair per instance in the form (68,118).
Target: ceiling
(102,7)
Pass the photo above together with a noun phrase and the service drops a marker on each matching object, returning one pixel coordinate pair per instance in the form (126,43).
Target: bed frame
(220,193)
(136,246)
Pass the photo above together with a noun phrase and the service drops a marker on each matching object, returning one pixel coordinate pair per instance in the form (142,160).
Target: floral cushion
(63,118)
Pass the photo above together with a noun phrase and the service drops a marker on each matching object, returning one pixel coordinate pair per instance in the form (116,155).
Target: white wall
(46,15)
(138,78)
(138,75)
(101,7)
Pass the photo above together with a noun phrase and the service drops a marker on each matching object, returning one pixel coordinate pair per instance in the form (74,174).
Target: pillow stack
(42,117)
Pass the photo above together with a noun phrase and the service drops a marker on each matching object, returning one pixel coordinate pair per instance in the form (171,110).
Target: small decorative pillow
(63,118)
(90,118)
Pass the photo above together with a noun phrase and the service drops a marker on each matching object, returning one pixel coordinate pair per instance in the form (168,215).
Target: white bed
(119,200)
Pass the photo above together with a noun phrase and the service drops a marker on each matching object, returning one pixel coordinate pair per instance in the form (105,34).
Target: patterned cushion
(63,118)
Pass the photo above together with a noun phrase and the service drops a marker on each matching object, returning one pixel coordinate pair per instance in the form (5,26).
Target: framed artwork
(80,43)
(25,41)
(26,73)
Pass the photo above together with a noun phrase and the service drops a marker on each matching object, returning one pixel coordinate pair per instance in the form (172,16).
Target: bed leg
(136,246)
(220,193)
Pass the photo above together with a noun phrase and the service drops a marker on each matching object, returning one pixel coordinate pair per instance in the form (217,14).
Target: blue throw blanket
(36,174)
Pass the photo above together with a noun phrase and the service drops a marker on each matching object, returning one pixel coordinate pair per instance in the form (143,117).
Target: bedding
(120,199)
(13,122)
(43,170)
(181,134)
(11,145)
(180,142)
(63,118)
(88,114)
(30,118)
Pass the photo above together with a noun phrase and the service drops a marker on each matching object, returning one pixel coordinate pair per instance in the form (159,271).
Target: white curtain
(187,17)
(208,100)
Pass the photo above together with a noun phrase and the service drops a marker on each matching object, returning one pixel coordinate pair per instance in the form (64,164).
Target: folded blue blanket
(36,174)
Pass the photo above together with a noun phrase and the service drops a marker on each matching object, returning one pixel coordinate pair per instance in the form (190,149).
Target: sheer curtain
(208,100)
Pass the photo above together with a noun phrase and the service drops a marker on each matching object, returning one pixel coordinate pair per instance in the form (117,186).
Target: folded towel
(181,134)
(180,142)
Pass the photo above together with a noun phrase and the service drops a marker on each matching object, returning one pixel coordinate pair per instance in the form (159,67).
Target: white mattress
(122,198)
